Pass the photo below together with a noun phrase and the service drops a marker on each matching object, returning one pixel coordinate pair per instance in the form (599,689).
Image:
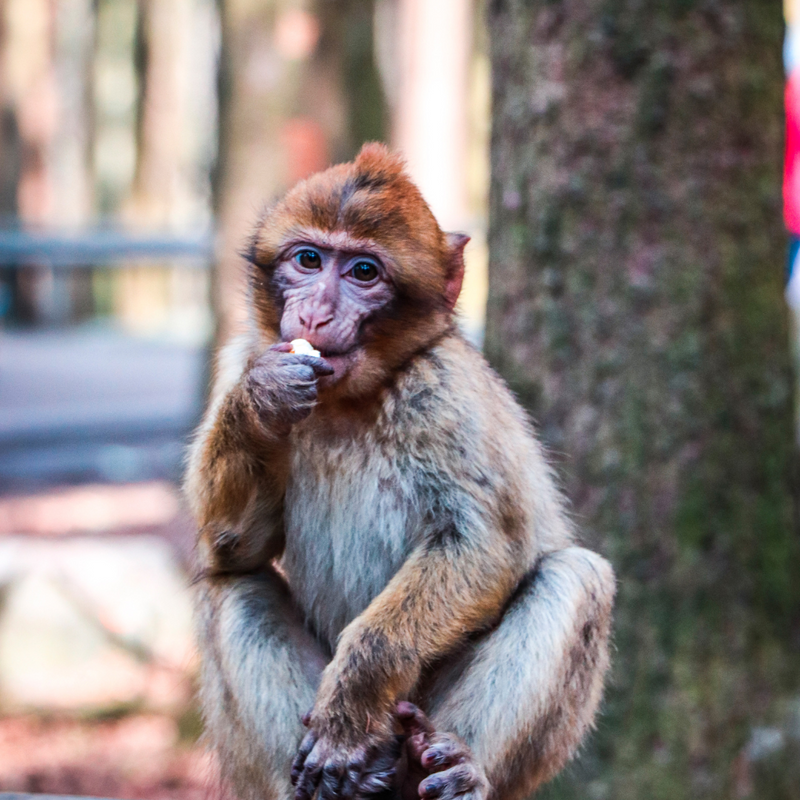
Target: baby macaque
(391,602)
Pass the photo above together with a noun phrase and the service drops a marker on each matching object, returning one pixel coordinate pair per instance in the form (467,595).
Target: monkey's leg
(260,673)
(523,695)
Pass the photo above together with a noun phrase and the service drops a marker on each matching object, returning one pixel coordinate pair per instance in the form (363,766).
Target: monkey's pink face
(328,294)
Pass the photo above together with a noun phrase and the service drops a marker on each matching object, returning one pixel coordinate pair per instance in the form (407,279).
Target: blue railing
(108,248)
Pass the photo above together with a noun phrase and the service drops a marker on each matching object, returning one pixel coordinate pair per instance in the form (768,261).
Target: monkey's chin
(342,366)
(353,376)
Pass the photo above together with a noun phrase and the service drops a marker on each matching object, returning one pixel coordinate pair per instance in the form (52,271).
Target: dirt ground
(138,757)
(99,748)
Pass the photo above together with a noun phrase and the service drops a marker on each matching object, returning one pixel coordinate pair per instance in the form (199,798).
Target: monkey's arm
(440,595)
(234,487)
(446,590)
(239,462)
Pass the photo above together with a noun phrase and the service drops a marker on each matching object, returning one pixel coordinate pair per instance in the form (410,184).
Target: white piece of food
(303,348)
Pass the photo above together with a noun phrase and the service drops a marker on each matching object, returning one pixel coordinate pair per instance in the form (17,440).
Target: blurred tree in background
(299,89)
(636,308)
(304,83)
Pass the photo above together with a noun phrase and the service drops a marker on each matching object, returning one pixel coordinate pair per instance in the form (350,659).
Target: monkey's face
(331,287)
(353,260)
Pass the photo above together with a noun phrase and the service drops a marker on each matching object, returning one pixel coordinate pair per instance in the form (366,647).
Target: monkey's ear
(456,242)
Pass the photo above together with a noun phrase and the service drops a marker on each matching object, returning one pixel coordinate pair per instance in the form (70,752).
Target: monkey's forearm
(235,486)
(432,604)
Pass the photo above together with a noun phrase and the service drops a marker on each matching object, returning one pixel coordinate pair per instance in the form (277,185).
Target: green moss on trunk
(635,306)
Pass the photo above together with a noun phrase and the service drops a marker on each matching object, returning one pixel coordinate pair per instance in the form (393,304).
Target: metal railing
(100,247)
(90,403)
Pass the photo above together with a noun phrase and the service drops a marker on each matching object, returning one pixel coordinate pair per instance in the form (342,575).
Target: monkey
(391,602)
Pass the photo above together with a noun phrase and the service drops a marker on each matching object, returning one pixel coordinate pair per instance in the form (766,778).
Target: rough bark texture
(636,308)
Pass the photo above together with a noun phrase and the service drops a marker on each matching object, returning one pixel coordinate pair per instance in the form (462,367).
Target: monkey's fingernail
(431,787)
(432,759)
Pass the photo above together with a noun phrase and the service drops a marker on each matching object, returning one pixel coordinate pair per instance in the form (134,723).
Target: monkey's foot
(441,766)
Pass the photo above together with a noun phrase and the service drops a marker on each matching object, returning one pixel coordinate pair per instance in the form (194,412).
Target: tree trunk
(635,306)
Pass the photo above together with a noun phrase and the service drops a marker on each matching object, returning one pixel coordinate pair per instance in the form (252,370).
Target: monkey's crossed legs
(519,697)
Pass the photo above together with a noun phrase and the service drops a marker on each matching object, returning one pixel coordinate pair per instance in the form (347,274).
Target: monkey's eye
(308,259)
(364,271)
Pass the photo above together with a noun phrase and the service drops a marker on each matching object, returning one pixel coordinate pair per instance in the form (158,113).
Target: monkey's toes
(444,751)
(462,782)
(417,729)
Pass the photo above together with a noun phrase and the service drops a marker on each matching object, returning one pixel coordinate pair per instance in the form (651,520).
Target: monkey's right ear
(456,242)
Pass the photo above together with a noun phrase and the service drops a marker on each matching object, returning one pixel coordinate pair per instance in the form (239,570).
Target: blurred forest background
(625,275)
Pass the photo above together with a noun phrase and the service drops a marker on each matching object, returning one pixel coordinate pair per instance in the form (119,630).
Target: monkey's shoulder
(453,422)
(449,395)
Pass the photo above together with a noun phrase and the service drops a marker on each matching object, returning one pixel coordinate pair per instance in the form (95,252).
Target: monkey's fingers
(298,764)
(308,781)
(413,719)
(320,366)
(378,779)
(417,728)
(349,787)
(331,786)
(377,786)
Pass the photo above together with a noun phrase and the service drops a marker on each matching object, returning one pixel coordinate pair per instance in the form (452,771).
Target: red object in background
(791,168)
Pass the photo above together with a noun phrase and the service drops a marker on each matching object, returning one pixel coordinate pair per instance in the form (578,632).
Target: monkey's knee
(573,591)
(525,694)
(579,586)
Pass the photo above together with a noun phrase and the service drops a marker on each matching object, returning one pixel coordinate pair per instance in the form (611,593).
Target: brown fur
(371,201)
(407,511)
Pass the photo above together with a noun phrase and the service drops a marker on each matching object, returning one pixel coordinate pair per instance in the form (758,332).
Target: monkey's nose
(313,320)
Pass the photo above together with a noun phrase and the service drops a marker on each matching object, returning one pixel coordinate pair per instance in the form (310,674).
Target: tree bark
(635,306)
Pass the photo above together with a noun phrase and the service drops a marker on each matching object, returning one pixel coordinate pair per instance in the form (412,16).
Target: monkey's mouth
(341,359)
(336,353)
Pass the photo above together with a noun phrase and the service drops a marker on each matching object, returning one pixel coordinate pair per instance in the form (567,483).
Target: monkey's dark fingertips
(308,781)
(405,709)
(417,729)
(306,746)
(301,373)
(432,786)
(320,366)
(323,368)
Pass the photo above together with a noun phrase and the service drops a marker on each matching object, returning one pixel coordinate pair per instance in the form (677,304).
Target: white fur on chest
(350,525)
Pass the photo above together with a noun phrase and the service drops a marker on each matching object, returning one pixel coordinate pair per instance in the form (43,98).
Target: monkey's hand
(440,765)
(365,771)
(282,386)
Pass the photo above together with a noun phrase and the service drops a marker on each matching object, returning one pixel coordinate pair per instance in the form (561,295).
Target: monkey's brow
(330,251)
(333,240)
